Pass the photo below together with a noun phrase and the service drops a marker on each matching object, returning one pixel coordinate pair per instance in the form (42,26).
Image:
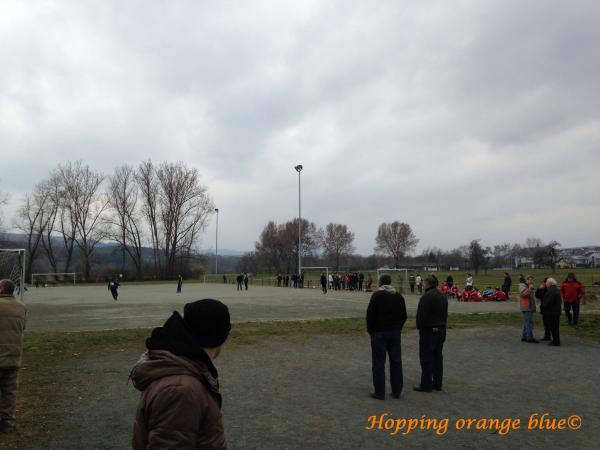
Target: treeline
(276,250)
(69,215)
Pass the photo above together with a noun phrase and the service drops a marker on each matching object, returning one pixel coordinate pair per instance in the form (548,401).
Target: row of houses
(580,257)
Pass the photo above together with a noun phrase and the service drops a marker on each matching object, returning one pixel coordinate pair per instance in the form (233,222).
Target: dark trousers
(573,320)
(431,344)
(239,285)
(412,287)
(324,287)
(553,327)
(8,393)
(115,293)
(546,322)
(387,343)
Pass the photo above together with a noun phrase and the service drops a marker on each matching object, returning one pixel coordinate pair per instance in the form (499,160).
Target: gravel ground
(311,393)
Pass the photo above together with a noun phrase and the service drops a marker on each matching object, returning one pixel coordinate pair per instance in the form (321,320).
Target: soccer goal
(53,278)
(12,267)
(401,276)
(312,276)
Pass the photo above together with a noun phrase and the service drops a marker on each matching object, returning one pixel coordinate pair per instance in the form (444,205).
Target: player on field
(113,287)
(179,284)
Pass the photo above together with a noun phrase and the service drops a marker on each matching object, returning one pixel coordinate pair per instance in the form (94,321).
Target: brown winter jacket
(12,325)
(180,404)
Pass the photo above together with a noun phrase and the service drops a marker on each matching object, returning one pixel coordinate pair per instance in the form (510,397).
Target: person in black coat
(239,279)
(324,283)
(551,308)
(386,315)
(179,284)
(539,295)
(506,284)
(432,315)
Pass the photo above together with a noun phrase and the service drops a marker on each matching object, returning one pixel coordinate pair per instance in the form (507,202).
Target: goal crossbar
(23,254)
(55,274)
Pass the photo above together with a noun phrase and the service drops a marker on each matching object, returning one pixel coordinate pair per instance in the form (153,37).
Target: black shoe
(523,340)
(375,396)
(395,395)
(6,427)
(421,389)
(533,341)
(546,338)
(553,344)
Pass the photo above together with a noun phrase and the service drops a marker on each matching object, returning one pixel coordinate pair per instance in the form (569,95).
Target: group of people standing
(552,300)
(386,316)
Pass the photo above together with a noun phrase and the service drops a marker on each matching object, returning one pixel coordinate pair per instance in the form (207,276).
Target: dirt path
(305,393)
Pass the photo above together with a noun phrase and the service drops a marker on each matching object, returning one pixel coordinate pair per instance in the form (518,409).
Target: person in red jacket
(572,292)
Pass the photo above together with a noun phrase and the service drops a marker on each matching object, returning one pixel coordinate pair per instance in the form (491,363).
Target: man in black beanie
(180,406)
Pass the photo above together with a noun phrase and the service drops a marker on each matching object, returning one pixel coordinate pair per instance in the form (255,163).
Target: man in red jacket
(572,292)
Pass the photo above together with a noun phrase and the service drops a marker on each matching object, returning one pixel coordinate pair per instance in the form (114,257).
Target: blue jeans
(382,343)
(527,325)
(575,318)
(431,344)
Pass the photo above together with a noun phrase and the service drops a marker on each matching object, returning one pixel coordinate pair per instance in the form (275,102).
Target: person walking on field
(572,292)
(550,309)
(432,316)
(180,405)
(113,287)
(239,279)
(324,283)
(449,281)
(411,283)
(506,283)
(179,284)
(419,283)
(386,315)
(527,306)
(12,326)
(246,280)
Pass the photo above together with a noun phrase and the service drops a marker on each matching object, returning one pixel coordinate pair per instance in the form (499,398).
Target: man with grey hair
(12,325)
(432,315)
(386,315)
(551,309)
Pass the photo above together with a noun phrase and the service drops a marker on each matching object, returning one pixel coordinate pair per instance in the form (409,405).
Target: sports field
(87,308)
(295,372)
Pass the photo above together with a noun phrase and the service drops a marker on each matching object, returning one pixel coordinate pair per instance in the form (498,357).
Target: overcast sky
(466,119)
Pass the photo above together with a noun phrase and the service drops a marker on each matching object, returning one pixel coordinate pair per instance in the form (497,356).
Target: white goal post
(402,282)
(316,268)
(46,276)
(12,267)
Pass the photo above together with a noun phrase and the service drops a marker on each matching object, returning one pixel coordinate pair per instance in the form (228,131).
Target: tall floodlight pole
(299,169)
(217,243)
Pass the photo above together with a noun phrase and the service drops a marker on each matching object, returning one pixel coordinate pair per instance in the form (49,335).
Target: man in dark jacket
(180,406)
(550,309)
(323,283)
(432,315)
(386,315)
(506,284)
(12,326)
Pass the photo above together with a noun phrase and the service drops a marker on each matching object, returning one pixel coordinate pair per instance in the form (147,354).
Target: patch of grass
(47,356)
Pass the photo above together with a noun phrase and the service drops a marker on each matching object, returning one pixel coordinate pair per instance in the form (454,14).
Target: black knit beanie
(209,320)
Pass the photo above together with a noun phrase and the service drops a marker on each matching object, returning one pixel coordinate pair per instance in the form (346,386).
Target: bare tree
(184,210)
(125,223)
(336,241)
(148,185)
(395,239)
(32,220)
(85,205)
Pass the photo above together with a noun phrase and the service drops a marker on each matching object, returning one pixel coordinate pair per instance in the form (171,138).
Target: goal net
(312,276)
(399,277)
(12,267)
(53,279)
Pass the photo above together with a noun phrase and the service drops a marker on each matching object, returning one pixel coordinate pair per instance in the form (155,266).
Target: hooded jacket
(180,407)
(12,325)
(386,310)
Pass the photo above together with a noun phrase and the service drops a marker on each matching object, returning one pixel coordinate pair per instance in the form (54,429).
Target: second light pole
(217,243)
(299,169)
